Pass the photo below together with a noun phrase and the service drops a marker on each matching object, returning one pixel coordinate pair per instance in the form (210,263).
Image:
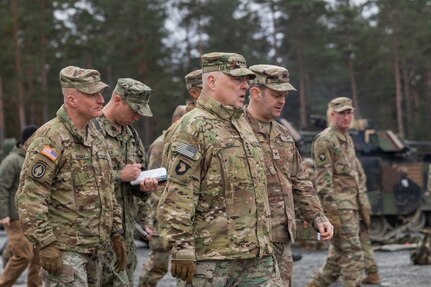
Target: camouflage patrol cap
(136,94)
(274,77)
(229,63)
(194,79)
(341,104)
(85,80)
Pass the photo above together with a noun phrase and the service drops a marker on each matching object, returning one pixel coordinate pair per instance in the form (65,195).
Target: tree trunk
(353,85)
(21,114)
(1,115)
(302,108)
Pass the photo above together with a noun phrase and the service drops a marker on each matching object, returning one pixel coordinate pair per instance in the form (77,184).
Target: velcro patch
(49,153)
(38,169)
(182,167)
(186,150)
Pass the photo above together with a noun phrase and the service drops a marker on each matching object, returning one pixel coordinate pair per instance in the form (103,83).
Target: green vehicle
(396,179)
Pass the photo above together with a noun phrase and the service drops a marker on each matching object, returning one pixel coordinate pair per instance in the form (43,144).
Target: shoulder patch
(322,156)
(182,167)
(38,170)
(49,153)
(186,150)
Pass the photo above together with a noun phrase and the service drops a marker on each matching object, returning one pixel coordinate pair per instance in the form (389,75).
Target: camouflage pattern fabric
(345,256)
(66,191)
(79,270)
(338,186)
(256,272)
(283,254)
(125,147)
(10,169)
(158,259)
(215,205)
(288,188)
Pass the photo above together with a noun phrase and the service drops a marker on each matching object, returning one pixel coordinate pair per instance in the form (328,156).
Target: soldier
(22,253)
(129,101)
(339,189)
(214,212)
(288,183)
(66,199)
(157,264)
(158,259)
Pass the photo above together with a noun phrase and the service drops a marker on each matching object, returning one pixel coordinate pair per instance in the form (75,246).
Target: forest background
(377,52)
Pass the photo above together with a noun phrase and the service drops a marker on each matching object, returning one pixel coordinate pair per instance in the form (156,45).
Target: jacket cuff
(184,254)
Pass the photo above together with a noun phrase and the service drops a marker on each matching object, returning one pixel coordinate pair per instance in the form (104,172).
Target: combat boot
(372,278)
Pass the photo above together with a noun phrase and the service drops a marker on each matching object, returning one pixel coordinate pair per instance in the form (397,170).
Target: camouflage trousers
(369,259)
(283,254)
(79,270)
(156,266)
(256,272)
(113,278)
(345,256)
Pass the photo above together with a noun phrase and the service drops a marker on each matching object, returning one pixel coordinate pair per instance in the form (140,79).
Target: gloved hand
(183,269)
(50,259)
(366,218)
(120,252)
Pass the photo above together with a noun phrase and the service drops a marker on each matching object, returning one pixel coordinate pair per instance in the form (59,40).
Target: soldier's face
(342,120)
(89,105)
(271,103)
(125,115)
(230,91)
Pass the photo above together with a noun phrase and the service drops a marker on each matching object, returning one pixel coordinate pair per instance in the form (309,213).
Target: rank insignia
(182,167)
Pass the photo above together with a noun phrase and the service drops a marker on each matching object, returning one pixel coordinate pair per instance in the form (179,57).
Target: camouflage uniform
(22,253)
(288,184)
(125,147)
(158,259)
(66,195)
(338,187)
(214,209)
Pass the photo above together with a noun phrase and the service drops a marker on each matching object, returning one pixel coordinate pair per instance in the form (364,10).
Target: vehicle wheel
(379,228)
(418,224)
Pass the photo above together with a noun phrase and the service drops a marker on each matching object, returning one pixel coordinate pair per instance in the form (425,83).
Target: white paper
(157,173)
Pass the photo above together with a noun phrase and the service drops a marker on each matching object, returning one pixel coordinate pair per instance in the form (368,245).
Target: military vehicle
(396,178)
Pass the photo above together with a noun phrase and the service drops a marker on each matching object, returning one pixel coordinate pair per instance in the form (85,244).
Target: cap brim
(281,87)
(92,89)
(241,72)
(343,108)
(142,109)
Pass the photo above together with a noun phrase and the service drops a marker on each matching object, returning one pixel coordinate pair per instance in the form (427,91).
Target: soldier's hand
(148,184)
(366,218)
(326,230)
(50,259)
(183,269)
(130,172)
(120,252)
(5,221)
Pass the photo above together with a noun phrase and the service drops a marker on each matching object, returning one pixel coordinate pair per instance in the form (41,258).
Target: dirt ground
(395,268)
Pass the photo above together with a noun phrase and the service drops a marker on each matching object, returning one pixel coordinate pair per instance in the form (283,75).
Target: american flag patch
(186,150)
(49,153)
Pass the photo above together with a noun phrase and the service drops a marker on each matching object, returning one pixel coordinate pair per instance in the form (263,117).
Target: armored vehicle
(396,178)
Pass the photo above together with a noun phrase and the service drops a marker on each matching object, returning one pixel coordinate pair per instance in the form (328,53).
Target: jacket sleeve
(33,195)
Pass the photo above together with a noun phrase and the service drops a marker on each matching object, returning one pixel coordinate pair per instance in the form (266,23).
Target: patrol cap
(194,79)
(229,63)
(274,77)
(85,80)
(136,94)
(340,104)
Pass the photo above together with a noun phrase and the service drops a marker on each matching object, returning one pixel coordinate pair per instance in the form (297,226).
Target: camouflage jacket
(215,204)
(337,176)
(288,183)
(66,191)
(10,168)
(149,208)
(125,147)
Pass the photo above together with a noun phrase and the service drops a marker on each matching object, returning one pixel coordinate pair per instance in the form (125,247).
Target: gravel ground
(395,268)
